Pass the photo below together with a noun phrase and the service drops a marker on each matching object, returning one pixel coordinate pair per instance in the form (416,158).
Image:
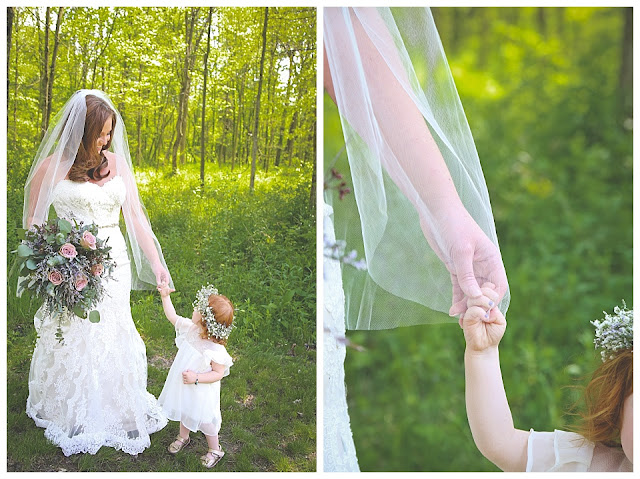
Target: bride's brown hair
(89,163)
(223,311)
(604,398)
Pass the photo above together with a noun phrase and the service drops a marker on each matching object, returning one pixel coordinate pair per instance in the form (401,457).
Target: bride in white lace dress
(90,390)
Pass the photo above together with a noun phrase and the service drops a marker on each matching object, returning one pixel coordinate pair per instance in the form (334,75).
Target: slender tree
(10,11)
(204,98)
(192,38)
(257,114)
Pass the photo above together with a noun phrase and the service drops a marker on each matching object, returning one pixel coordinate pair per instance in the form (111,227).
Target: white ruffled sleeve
(219,355)
(182,326)
(558,451)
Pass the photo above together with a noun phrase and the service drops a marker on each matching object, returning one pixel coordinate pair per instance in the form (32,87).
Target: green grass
(259,250)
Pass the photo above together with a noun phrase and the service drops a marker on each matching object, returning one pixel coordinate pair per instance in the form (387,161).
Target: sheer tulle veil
(406,281)
(51,165)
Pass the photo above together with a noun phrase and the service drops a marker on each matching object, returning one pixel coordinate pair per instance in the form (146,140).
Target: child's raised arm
(487,407)
(167,305)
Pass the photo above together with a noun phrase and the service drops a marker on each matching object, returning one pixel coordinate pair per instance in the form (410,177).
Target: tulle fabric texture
(406,283)
(52,163)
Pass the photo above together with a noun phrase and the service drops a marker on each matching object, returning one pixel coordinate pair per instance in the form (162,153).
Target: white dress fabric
(196,406)
(561,451)
(339,450)
(91,390)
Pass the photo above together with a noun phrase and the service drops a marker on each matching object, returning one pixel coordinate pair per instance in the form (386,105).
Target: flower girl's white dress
(561,451)
(196,406)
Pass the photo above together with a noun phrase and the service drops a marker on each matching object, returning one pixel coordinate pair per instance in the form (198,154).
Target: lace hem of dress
(81,442)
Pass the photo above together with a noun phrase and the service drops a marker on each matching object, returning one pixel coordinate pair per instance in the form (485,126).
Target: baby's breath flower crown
(614,332)
(201,304)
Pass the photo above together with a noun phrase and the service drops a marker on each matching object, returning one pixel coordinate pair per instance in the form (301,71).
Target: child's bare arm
(167,305)
(216,374)
(488,410)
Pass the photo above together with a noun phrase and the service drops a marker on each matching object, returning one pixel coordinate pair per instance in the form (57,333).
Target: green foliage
(259,250)
(103,48)
(556,150)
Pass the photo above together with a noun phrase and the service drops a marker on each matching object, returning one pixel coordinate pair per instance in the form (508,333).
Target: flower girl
(191,393)
(605,439)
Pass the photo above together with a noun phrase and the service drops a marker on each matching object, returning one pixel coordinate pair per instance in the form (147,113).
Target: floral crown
(201,304)
(614,332)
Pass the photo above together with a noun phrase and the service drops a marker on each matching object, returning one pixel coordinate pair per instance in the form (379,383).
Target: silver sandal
(212,458)
(176,446)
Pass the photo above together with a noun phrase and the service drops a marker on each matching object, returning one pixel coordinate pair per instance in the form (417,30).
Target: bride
(420,208)
(90,390)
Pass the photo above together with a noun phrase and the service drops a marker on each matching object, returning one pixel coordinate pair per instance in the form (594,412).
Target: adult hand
(469,255)
(161,274)
(474,260)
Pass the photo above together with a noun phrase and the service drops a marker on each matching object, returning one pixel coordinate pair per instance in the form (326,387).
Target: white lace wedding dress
(339,450)
(91,390)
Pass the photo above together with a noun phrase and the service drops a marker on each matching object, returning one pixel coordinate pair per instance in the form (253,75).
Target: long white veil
(52,163)
(389,63)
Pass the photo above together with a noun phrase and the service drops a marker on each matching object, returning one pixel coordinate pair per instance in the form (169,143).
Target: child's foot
(177,445)
(212,458)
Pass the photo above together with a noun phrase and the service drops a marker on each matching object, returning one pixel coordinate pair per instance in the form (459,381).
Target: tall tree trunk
(190,24)
(285,110)
(292,129)
(9,32)
(626,65)
(542,20)
(272,78)
(44,79)
(255,128)
(236,121)
(204,98)
(99,55)
(15,82)
(312,193)
(139,121)
(213,110)
(52,71)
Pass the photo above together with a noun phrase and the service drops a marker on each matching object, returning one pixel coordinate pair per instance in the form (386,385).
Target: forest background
(548,96)
(220,109)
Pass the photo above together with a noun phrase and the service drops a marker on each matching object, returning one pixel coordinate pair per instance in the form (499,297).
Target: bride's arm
(141,227)
(412,158)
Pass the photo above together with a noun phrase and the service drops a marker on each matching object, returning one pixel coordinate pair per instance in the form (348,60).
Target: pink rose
(68,251)
(81,282)
(97,269)
(55,277)
(88,240)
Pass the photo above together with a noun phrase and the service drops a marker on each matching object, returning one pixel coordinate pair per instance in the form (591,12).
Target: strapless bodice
(89,202)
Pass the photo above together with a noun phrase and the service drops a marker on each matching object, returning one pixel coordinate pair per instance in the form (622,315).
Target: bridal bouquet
(65,264)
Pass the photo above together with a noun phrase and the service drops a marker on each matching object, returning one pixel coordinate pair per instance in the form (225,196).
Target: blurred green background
(547,92)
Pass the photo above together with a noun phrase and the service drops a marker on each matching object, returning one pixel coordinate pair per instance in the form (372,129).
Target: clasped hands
(483,323)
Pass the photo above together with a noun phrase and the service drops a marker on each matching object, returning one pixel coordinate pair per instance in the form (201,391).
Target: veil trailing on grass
(54,159)
(387,64)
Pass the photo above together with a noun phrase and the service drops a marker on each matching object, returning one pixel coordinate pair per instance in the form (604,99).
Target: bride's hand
(469,255)
(483,325)
(161,274)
